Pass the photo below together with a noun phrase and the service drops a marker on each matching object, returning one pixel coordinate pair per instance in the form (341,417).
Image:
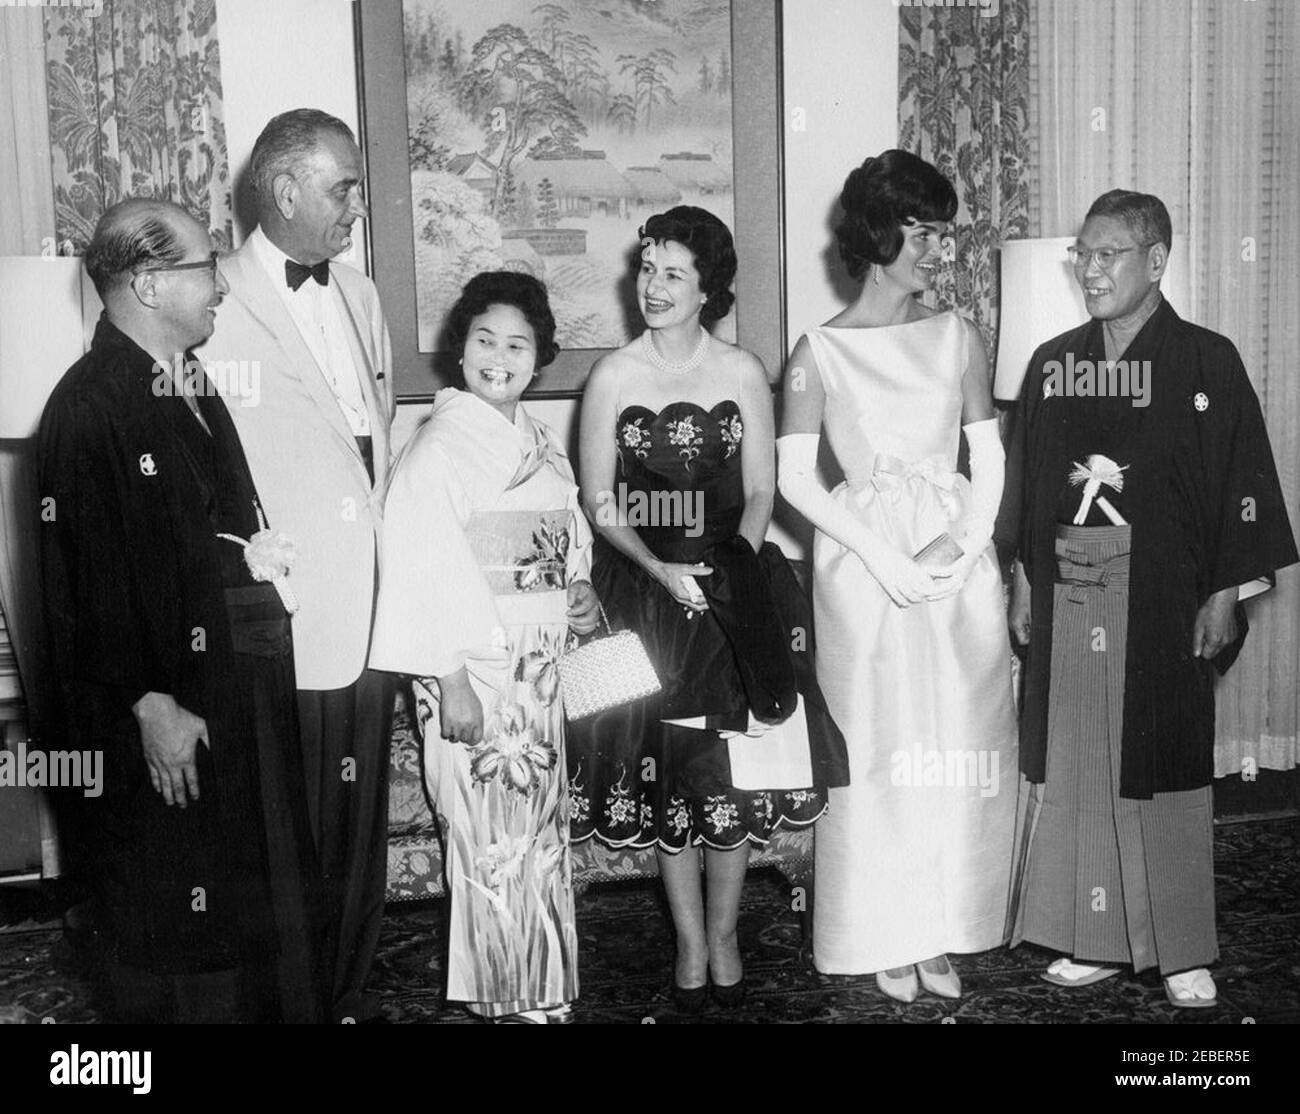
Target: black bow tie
(295,274)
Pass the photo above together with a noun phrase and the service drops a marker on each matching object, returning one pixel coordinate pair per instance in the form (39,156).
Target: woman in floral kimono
(484,574)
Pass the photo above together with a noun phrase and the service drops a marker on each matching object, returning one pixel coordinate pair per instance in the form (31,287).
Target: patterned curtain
(136,110)
(964,106)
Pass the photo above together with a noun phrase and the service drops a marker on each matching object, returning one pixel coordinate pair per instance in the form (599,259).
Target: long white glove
(902,578)
(988,469)
(988,472)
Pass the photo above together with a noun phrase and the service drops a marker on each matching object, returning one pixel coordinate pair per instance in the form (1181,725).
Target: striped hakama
(1103,878)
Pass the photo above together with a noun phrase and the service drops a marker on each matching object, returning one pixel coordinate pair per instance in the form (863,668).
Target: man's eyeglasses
(209,265)
(1105,257)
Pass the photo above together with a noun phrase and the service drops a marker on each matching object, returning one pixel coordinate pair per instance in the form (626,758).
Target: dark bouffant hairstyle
(709,241)
(882,195)
(505,288)
(1144,213)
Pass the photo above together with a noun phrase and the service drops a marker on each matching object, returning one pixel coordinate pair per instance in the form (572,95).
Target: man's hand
(1018,612)
(170,736)
(1216,624)
(461,713)
(584,607)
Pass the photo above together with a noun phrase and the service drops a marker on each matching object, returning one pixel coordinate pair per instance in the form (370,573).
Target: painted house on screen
(696,175)
(583,183)
(475,171)
(652,188)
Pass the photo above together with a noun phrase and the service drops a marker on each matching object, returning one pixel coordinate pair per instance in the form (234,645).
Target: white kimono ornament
(269,558)
(1099,471)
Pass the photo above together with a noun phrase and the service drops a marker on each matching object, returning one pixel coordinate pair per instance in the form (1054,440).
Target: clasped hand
(906,582)
(584,607)
(680,580)
(950,579)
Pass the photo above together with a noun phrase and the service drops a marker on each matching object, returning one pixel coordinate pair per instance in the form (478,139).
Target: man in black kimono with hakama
(171,659)
(1150,509)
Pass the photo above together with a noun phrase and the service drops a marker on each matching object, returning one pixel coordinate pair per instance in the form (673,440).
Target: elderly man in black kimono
(172,659)
(1150,509)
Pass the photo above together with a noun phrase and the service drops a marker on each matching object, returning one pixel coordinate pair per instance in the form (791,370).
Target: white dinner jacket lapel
(252,288)
(359,337)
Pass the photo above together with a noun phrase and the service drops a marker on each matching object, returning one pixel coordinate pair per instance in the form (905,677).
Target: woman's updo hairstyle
(504,288)
(709,242)
(879,197)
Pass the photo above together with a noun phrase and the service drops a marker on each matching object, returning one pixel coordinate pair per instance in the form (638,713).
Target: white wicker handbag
(608,671)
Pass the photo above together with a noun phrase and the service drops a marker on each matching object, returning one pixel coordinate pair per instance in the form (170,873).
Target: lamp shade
(46,309)
(1041,299)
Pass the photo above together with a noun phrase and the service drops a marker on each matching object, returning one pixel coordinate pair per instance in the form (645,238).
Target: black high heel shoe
(728,997)
(690,999)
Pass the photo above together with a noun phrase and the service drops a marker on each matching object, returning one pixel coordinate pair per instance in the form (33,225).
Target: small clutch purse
(942,551)
(605,673)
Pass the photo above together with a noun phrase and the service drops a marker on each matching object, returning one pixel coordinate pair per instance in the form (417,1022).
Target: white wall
(283,54)
(841,105)
(840,76)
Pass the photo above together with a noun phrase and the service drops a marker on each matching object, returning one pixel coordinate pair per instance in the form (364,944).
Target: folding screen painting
(539,137)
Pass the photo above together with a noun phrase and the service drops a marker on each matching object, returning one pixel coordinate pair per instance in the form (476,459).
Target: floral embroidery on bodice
(679,475)
(679,435)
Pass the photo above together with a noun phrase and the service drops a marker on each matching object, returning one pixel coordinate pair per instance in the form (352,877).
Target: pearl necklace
(687,366)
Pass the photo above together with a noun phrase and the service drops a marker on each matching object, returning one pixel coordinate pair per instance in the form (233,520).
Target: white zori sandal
(1192,990)
(1065,972)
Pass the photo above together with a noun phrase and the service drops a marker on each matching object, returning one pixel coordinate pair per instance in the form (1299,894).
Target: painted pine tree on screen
(543,135)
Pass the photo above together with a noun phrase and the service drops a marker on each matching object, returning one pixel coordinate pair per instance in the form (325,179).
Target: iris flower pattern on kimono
(482,538)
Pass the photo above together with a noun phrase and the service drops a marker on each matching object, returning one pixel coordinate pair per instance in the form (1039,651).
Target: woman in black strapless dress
(678,480)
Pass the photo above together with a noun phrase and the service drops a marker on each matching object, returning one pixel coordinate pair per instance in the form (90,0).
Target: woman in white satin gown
(914,858)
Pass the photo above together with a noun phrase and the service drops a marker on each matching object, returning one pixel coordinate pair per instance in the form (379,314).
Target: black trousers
(345,741)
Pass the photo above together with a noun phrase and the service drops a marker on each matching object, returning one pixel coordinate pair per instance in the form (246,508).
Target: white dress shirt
(316,311)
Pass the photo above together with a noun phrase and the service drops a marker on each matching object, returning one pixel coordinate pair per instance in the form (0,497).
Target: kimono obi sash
(522,551)
(259,625)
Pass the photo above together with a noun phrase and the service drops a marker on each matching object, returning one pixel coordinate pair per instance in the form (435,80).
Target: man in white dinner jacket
(310,337)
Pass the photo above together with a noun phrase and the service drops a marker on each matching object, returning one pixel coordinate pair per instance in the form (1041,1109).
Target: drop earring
(876,272)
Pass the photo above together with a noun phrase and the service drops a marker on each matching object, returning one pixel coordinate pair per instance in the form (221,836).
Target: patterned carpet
(626,961)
